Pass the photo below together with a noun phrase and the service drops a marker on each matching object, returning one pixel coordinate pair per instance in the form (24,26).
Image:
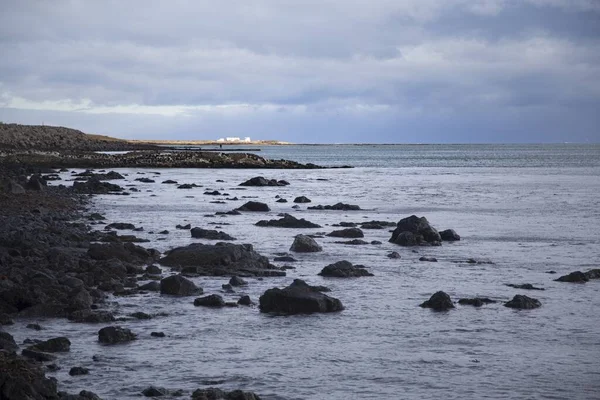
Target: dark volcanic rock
(23,380)
(157,334)
(237,281)
(151,286)
(301,199)
(260,181)
(523,302)
(177,285)
(439,301)
(213,300)
(305,244)
(170,182)
(414,231)
(337,206)
(210,234)
(428,259)
(354,242)
(245,301)
(575,277)
(88,316)
(526,286)
(95,186)
(347,233)
(476,301)
(288,221)
(221,259)
(145,180)
(7,342)
(127,252)
(115,334)
(153,391)
(75,371)
(54,345)
(344,269)
(298,298)
(256,206)
(218,394)
(188,226)
(593,273)
(120,226)
(38,355)
(449,235)
(111,175)
(393,254)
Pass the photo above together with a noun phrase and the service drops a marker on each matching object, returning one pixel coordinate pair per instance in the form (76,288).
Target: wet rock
(111,175)
(83,395)
(237,281)
(428,259)
(54,345)
(285,259)
(288,221)
(38,355)
(526,286)
(376,224)
(254,206)
(95,186)
(476,301)
(337,206)
(591,274)
(415,231)
(187,226)
(305,244)
(151,286)
(344,269)
(36,183)
(115,334)
(245,301)
(574,277)
(298,298)
(302,200)
(5,319)
(347,233)
(157,334)
(210,234)
(153,270)
(22,380)
(7,342)
(35,327)
(449,235)
(213,193)
(187,186)
(177,285)
(170,182)
(145,180)
(523,302)
(281,201)
(140,315)
(120,226)
(354,242)
(75,371)
(260,181)
(153,391)
(218,394)
(393,254)
(213,300)
(96,217)
(88,316)
(439,301)
(127,252)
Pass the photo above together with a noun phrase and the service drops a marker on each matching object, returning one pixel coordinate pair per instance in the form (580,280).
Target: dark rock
(188,226)
(353,242)
(153,270)
(38,355)
(54,345)
(347,233)
(439,301)
(213,193)
(177,285)
(255,206)
(523,302)
(95,186)
(394,254)
(476,301)
(301,200)
(305,244)
(35,327)
(157,334)
(35,183)
(5,319)
(145,180)
(126,252)
(218,394)
(115,334)
(89,316)
(210,234)
(151,286)
(375,242)
(413,231)
(170,182)
(591,274)
(376,224)
(165,232)
(281,201)
(260,181)
(237,281)
(288,221)
(187,186)
(245,301)
(298,298)
(96,217)
(449,235)
(153,391)
(140,315)
(526,286)
(574,277)
(428,259)
(213,300)
(7,342)
(23,380)
(285,259)
(78,371)
(120,226)
(337,206)
(344,269)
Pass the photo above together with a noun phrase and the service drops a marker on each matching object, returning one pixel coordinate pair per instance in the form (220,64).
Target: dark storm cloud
(327,70)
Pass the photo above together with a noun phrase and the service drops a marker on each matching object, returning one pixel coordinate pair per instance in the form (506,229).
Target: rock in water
(7,342)
(305,244)
(574,277)
(210,234)
(260,181)
(298,298)
(344,269)
(213,300)
(415,231)
(439,301)
(288,221)
(347,233)
(476,301)
(237,281)
(115,334)
(256,206)
(218,394)
(449,235)
(177,285)
(55,345)
(523,302)
(301,199)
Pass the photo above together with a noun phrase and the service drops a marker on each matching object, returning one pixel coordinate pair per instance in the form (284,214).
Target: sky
(306,71)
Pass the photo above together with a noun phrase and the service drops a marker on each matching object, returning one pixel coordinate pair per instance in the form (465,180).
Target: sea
(525,214)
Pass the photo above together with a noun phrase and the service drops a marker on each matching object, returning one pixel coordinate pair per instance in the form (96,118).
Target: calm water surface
(528,209)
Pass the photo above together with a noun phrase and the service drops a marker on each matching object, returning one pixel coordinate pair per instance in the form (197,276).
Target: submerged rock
(288,221)
(54,345)
(344,269)
(337,206)
(439,301)
(415,231)
(305,244)
(298,298)
(476,301)
(526,286)
(523,302)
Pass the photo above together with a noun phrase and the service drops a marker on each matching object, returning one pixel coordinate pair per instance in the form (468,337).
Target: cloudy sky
(309,71)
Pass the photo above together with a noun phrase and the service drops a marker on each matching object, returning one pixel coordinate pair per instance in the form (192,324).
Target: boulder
(237,281)
(127,252)
(54,345)
(593,274)
(413,231)
(301,199)
(305,244)
(177,285)
(153,391)
(476,301)
(288,221)
(210,234)
(220,259)
(95,186)
(260,181)
(428,259)
(151,286)
(439,301)
(115,334)
(35,183)
(213,300)
(75,371)
(7,342)
(344,269)
(449,235)
(245,301)
(298,298)
(347,233)
(145,180)
(255,206)
(574,277)
(393,254)
(21,379)
(120,226)
(523,302)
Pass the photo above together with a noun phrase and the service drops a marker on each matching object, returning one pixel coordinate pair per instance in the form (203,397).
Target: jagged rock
(337,206)
(145,180)
(523,302)
(476,301)
(347,233)
(288,221)
(414,231)
(115,334)
(260,181)
(449,235)
(255,206)
(187,226)
(213,300)
(95,186)
(281,201)
(439,301)
(575,277)
(526,286)
(344,269)
(210,234)
(298,298)
(302,199)
(305,244)
(177,285)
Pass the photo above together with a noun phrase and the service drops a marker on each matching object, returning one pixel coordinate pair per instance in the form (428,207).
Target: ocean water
(526,209)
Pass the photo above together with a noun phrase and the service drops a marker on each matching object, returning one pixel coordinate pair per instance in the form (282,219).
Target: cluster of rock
(261,181)
(288,221)
(415,231)
(441,301)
